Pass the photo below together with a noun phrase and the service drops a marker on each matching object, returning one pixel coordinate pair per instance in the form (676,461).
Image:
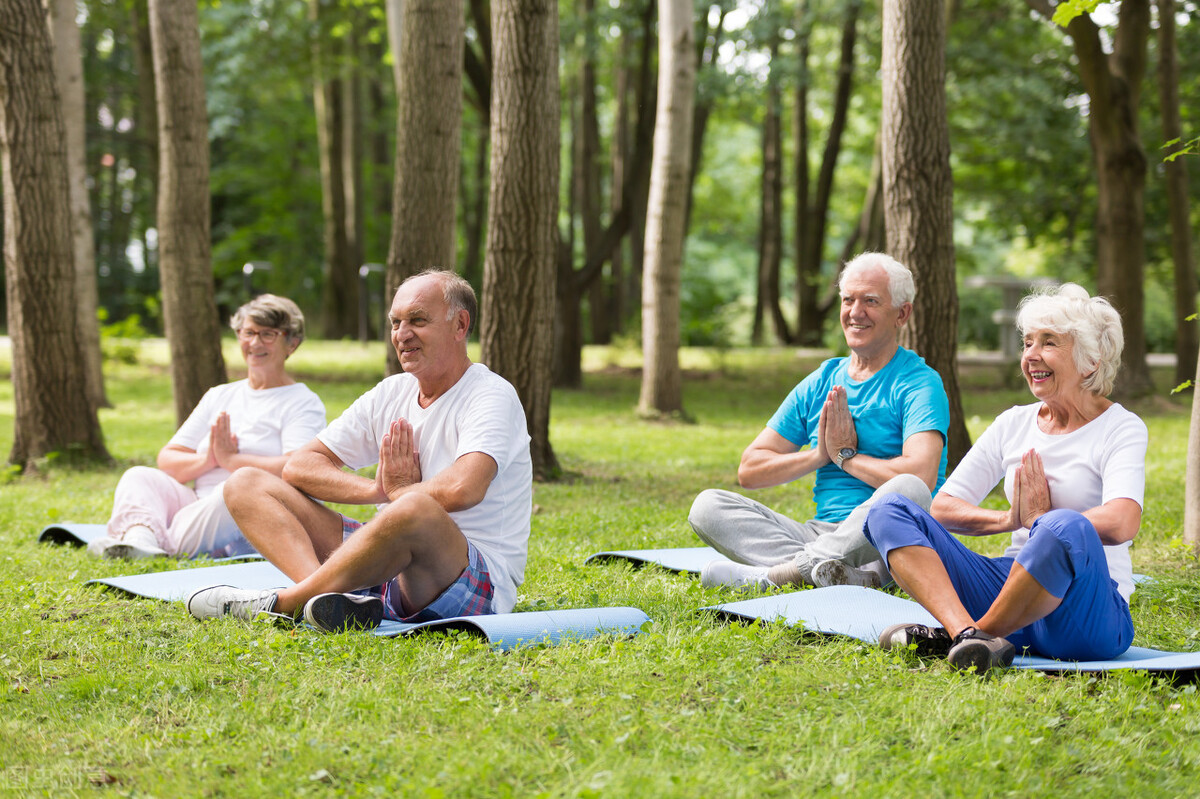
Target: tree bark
(339,294)
(666,222)
(1113,85)
(918,191)
(68,68)
(1187,331)
(53,413)
(588,171)
(770,236)
(1191,492)
(185,257)
(519,268)
(352,154)
(812,215)
(428,138)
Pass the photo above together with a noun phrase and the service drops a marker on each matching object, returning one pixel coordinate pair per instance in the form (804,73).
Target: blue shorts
(469,595)
(1063,554)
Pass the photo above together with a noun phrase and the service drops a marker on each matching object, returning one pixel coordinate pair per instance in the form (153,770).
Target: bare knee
(413,510)
(249,484)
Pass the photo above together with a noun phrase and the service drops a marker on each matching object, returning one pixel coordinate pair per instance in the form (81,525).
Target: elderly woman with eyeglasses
(253,422)
(1073,468)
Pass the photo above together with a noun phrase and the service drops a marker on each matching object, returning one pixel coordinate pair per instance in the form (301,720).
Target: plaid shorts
(469,595)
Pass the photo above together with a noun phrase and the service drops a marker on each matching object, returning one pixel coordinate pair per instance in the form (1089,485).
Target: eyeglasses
(266,335)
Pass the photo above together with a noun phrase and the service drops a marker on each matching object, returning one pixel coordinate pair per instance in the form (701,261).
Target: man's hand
(399,461)
(837,429)
(222,443)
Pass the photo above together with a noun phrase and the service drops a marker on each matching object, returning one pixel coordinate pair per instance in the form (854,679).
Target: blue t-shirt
(901,399)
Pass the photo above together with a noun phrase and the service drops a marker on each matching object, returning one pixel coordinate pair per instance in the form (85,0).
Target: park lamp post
(248,271)
(364,299)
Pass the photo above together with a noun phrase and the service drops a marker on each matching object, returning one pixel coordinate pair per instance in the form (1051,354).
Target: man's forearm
(323,480)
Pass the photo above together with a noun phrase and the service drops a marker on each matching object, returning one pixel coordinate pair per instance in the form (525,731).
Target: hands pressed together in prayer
(1031,492)
(399,461)
(222,443)
(837,429)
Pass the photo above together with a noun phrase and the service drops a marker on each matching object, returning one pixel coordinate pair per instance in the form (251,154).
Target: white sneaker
(225,600)
(727,574)
(98,547)
(138,542)
(834,572)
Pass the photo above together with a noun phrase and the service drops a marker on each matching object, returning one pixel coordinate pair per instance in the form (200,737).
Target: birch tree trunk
(918,192)
(522,237)
(53,413)
(68,68)
(184,239)
(428,139)
(662,381)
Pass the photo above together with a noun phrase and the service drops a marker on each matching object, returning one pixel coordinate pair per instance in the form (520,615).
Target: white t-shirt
(480,413)
(266,421)
(1101,461)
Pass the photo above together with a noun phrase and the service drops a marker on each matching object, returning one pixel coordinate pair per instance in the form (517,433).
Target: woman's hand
(222,443)
(1031,493)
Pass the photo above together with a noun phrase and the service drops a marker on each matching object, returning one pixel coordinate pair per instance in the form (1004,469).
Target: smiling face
(429,340)
(260,354)
(870,322)
(1048,364)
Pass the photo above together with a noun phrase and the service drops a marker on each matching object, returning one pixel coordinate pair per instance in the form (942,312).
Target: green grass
(132,697)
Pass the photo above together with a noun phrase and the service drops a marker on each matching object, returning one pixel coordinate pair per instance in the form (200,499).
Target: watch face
(847,452)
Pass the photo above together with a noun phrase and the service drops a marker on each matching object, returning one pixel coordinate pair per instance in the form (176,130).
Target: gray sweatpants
(747,531)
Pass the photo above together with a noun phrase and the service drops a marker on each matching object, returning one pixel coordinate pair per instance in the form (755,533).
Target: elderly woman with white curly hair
(1073,466)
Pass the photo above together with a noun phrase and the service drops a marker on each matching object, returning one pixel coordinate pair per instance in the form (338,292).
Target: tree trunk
(810,231)
(1187,338)
(52,411)
(428,138)
(707,49)
(145,120)
(620,159)
(588,166)
(519,268)
(352,154)
(1191,491)
(918,192)
(185,257)
(770,236)
(68,67)
(339,294)
(1113,85)
(666,220)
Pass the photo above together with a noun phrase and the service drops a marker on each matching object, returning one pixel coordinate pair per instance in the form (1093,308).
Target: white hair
(900,277)
(1092,323)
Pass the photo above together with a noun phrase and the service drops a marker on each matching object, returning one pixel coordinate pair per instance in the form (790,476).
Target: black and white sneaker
(335,613)
(225,600)
(976,648)
(926,641)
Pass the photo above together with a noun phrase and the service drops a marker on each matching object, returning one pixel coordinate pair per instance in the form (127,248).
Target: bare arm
(772,460)
(316,471)
(920,456)
(185,464)
(1117,520)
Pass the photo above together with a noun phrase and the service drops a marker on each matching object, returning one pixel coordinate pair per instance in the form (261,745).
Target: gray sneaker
(727,574)
(225,600)
(834,572)
(926,641)
(976,648)
(336,613)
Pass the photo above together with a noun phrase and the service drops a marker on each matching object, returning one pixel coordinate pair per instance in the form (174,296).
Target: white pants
(184,524)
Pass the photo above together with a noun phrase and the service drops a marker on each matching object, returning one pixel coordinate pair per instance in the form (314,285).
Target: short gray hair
(900,277)
(1092,323)
(270,310)
(457,293)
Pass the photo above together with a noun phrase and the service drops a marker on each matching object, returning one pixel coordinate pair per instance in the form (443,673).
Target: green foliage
(104,692)
(1067,10)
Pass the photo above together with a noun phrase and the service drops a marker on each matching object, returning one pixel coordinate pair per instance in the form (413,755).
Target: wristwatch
(844,454)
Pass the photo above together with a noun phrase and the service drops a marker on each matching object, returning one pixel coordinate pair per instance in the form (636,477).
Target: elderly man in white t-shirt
(454,486)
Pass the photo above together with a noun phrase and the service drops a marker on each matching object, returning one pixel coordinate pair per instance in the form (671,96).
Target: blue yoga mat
(683,559)
(863,613)
(501,630)
(76,535)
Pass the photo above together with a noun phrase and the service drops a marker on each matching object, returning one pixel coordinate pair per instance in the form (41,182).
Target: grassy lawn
(133,697)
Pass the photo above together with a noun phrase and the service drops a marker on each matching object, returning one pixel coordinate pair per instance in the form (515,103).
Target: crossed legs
(412,539)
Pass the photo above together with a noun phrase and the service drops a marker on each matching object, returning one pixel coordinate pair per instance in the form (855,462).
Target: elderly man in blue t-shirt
(870,424)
